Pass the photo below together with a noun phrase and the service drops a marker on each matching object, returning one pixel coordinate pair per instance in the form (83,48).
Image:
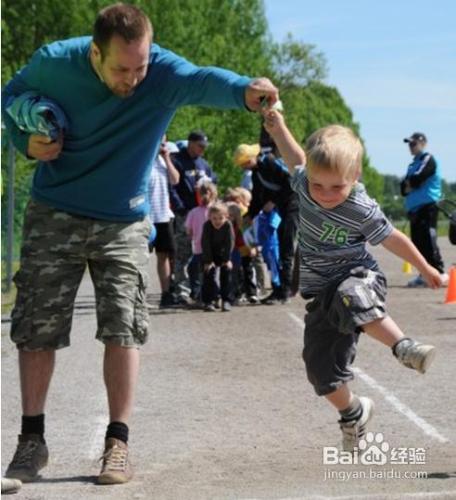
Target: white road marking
(97,439)
(426,427)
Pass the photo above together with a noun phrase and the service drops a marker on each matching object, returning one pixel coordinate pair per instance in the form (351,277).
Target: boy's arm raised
(401,246)
(292,153)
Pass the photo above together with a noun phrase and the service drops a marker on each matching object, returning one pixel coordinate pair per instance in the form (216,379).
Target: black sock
(117,430)
(33,425)
(353,412)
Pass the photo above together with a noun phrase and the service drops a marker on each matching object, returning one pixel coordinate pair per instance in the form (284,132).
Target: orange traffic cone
(451,290)
(407,267)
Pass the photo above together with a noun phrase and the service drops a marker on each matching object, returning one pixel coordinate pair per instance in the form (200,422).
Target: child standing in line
(347,288)
(217,244)
(266,224)
(244,279)
(207,194)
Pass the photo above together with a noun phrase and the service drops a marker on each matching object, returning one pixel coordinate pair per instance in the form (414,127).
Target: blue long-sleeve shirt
(108,150)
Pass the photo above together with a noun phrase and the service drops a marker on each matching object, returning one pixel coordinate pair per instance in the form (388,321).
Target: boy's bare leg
(341,398)
(411,354)
(385,330)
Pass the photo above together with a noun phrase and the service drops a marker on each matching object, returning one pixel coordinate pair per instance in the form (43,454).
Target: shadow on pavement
(75,479)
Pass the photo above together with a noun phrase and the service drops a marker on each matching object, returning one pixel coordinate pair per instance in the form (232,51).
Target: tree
(298,64)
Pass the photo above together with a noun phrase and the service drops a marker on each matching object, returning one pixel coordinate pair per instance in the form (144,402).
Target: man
(422,188)
(193,168)
(89,207)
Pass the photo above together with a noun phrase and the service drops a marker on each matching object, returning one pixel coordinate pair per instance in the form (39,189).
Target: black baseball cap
(198,136)
(416,137)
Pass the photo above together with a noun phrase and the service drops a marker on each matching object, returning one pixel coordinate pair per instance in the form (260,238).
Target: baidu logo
(373,450)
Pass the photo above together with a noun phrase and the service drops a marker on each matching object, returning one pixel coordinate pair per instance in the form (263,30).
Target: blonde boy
(348,289)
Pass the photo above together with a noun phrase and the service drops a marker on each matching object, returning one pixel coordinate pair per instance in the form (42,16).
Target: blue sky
(394,62)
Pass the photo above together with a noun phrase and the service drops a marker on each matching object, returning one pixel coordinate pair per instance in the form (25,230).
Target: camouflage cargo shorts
(56,249)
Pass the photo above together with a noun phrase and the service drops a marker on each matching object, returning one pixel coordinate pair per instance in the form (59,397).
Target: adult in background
(192,168)
(90,207)
(163,175)
(422,188)
(271,188)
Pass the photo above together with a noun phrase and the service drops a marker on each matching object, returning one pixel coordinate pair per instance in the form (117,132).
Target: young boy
(336,218)
(217,243)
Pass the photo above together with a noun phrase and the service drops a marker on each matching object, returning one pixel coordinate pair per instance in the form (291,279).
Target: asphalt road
(224,411)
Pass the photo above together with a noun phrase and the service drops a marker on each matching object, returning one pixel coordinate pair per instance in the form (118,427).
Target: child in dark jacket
(217,243)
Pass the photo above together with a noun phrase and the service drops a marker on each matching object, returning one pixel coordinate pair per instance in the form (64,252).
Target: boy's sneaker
(354,430)
(116,467)
(417,282)
(226,306)
(30,457)
(209,308)
(414,354)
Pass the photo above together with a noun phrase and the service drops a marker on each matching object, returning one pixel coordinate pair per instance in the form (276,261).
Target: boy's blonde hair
(218,208)
(335,148)
(208,192)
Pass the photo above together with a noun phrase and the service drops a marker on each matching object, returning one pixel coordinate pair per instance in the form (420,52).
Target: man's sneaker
(10,485)
(30,457)
(417,282)
(226,306)
(414,354)
(116,467)
(209,308)
(354,430)
(253,299)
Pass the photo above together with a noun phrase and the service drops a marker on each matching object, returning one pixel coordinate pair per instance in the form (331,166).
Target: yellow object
(407,267)
(246,152)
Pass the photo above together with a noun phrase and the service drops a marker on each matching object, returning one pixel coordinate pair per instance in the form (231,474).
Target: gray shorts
(333,322)
(56,249)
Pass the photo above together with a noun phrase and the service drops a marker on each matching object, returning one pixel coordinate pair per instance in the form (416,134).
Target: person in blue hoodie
(422,188)
(89,205)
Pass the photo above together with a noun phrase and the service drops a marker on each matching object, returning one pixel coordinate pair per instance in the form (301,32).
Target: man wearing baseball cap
(193,168)
(422,188)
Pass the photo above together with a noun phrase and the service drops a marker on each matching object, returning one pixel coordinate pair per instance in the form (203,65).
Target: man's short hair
(335,148)
(127,21)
